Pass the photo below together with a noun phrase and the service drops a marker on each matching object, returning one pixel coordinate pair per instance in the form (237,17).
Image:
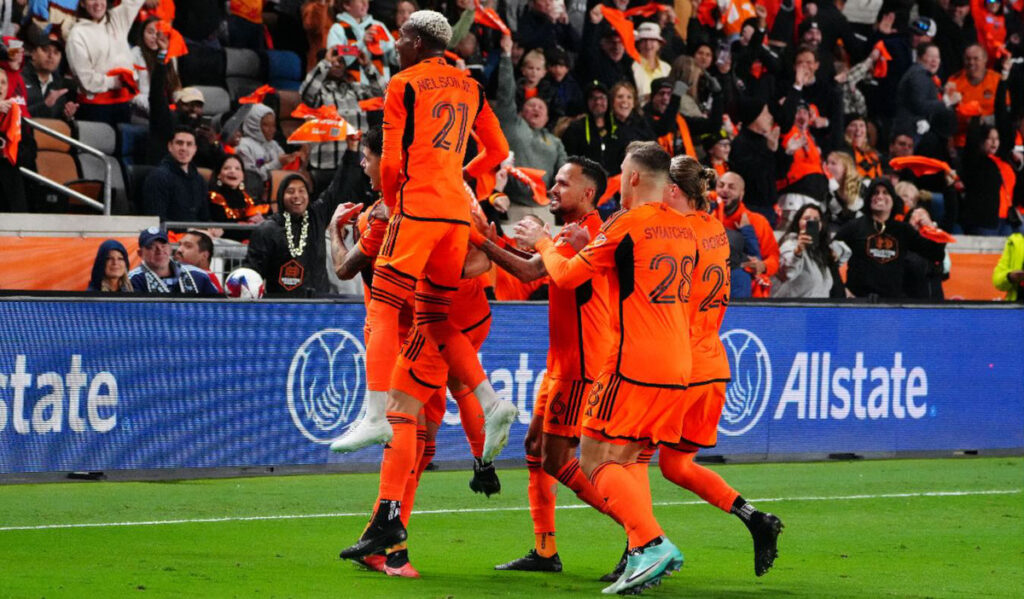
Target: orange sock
(639,471)
(399,460)
(412,483)
(571,475)
(472,417)
(679,467)
(429,449)
(614,482)
(387,296)
(541,492)
(544,544)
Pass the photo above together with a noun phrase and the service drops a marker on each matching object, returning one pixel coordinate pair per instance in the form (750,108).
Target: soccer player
(709,297)
(639,399)
(579,342)
(429,110)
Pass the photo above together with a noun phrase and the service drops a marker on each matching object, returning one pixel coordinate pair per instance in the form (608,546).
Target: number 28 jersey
(647,254)
(429,110)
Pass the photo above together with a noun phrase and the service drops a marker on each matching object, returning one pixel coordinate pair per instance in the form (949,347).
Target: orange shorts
(433,251)
(560,403)
(620,412)
(421,370)
(700,423)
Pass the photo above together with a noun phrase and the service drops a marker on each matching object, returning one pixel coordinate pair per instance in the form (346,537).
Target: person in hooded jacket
(289,248)
(259,152)
(110,269)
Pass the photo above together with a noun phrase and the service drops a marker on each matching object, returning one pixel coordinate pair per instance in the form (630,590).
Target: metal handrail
(108,174)
(187,224)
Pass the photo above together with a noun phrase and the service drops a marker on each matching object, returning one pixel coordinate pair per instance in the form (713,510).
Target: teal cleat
(653,561)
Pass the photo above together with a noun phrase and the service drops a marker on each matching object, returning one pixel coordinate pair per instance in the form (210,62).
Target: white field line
(500,509)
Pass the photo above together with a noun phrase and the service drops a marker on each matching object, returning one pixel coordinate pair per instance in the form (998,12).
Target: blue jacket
(204,286)
(172,194)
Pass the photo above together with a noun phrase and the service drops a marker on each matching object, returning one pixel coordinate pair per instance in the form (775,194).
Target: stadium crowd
(852,139)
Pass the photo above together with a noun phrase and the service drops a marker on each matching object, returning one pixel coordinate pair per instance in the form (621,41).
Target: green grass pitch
(896,528)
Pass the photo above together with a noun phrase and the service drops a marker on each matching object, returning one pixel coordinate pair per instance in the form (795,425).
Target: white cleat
(497,422)
(367,432)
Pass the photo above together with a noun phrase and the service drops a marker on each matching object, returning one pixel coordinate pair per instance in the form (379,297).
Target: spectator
(975,83)
(901,145)
(158,273)
(717,147)
(146,57)
(317,18)
(918,96)
(195,248)
(45,86)
(924,276)
(627,125)
(545,25)
(844,203)
(566,96)
(259,152)
(730,191)
(602,53)
(289,248)
(823,93)
(805,181)
(880,245)
(102,62)
(756,157)
(355,27)
(589,135)
(175,190)
(245,25)
(199,22)
(13,199)
(648,43)
(329,84)
(865,158)
(11,65)
(189,106)
(531,83)
(806,258)
(989,180)
(230,201)
(902,45)
(530,142)
(110,269)
(1008,275)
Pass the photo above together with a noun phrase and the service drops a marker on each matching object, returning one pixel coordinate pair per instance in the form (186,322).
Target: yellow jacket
(1012,259)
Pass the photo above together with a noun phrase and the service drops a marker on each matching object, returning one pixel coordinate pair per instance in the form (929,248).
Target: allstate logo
(326,384)
(746,397)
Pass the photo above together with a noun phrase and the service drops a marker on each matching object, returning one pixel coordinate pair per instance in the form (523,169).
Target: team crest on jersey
(599,240)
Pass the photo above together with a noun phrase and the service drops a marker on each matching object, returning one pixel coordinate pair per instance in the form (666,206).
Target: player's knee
(440,332)
(552,462)
(676,466)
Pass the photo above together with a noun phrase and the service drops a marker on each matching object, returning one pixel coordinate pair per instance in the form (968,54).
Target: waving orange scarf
(10,130)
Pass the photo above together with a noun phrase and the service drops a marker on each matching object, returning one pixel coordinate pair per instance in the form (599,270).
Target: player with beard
(579,342)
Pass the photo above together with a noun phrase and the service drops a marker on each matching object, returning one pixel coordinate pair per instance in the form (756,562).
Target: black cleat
(533,562)
(384,531)
(619,568)
(485,478)
(765,529)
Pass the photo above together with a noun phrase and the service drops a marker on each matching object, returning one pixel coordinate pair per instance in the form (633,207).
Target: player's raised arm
(395,115)
(492,146)
(565,272)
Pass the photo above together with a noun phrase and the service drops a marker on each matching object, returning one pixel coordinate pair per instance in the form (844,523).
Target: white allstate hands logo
(326,384)
(746,397)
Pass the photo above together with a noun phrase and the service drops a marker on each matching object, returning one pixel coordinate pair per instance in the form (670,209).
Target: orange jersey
(646,254)
(709,297)
(429,110)
(984,94)
(578,319)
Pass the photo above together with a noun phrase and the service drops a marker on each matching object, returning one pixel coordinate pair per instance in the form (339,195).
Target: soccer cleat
(765,529)
(627,571)
(374,562)
(485,479)
(652,562)
(533,562)
(619,568)
(367,432)
(397,564)
(385,530)
(497,422)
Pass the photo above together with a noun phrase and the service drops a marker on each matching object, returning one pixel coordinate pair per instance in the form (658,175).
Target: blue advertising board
(111,385)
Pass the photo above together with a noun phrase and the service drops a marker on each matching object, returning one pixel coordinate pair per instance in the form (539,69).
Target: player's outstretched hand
(344,213)
(528,232)
(576,236)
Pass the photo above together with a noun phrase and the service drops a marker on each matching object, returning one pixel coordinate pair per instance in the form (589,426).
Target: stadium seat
(93,168)
(285,69)
(98,135)
(205,173)
(289,100)
(57,166)
(132,141)
(90,189)
(202,66)
(217,100)
(137,176)
(242,67)
(47,142)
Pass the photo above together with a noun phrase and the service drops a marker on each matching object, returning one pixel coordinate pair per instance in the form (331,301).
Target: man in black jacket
(175,190)
(48,91)
(757,158)
(199,20)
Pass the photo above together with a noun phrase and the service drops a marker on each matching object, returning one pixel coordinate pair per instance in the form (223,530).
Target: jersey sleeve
(372,236)
(493,145)
(395,115)
(596,257)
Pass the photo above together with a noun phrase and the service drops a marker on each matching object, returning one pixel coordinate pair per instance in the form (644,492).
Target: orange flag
(624,27)
(647,10)
(164,11)
(882,64)
(256,97)
(488,18)
(127,77)
(614,184)
(372,104)
(919,165)
(937,235)
(176,45)
(534,179)
(10,129)
(322,125)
